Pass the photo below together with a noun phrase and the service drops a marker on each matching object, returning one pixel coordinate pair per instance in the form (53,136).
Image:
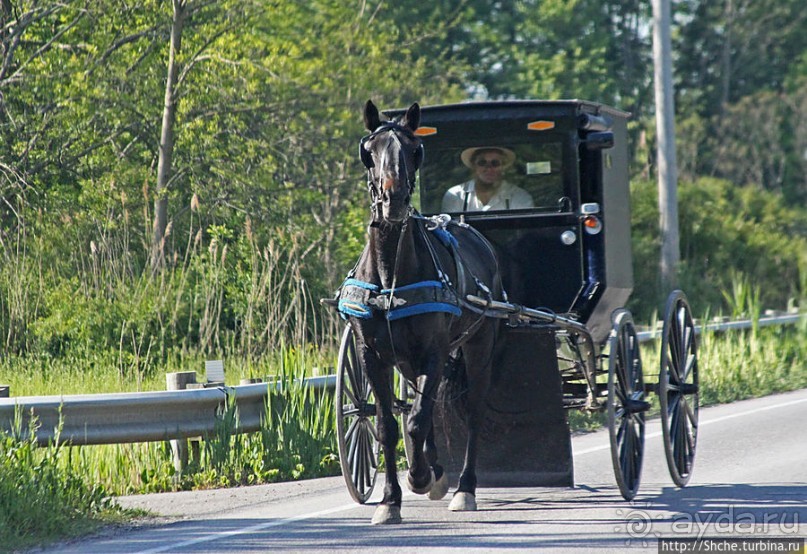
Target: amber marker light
(541,125)
(425,131)
(592,224)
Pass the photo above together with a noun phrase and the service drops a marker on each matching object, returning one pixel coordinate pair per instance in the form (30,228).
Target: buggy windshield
(532,179)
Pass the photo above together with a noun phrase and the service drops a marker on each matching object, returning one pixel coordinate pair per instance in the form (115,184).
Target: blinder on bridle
(367,158)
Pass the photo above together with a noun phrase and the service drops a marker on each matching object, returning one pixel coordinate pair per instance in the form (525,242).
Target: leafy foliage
(726,231)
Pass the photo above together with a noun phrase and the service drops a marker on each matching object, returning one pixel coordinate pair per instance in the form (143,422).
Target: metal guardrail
(139,417)
(722,326)
(166,415)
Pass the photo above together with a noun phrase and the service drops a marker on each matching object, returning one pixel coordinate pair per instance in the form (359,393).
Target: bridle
(367,160)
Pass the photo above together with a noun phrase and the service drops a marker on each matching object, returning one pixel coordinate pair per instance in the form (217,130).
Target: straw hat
(467,155)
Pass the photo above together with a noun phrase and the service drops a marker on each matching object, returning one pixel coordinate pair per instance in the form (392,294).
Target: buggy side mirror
(600,140)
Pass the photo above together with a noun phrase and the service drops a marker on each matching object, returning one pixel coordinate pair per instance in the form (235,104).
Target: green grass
(43,499)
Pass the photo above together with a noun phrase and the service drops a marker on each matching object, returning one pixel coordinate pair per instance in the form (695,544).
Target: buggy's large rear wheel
(678,388)
(357,434)
(626,404)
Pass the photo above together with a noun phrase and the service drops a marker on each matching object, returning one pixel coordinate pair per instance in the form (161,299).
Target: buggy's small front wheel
(678,388)
(356,422)
(626,404)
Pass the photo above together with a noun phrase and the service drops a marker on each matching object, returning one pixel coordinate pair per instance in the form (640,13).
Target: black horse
(405,300)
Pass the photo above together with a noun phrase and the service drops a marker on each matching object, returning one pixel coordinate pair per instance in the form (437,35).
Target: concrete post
(5,391)
(179,447)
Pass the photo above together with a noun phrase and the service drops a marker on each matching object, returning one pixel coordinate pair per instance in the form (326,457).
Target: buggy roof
(507,109)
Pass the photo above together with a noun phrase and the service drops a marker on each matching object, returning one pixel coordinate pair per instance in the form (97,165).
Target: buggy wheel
(678,388)
(626,404)
(356,430)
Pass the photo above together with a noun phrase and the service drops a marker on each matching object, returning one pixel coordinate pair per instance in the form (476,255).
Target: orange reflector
(541,125)
(592,224)
(425,131)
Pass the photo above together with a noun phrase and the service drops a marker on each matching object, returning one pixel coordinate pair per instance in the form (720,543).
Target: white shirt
(463,197)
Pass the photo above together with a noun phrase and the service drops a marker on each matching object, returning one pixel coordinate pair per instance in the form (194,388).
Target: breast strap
(360,299)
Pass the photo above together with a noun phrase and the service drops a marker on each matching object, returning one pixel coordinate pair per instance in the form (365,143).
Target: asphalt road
(749,481)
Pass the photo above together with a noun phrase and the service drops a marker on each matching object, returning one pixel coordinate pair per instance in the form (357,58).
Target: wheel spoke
(368,457)
(690,446)
(351,366)
(672,344)
(372,428)
(690,414)
(358,466)
(367,464)
(351,396)
(352,437)
(351,430)
(623,453)
(681,445)
(623,429)
(625,381)
(686,351)
(672,405)
(630,455)
(689,368)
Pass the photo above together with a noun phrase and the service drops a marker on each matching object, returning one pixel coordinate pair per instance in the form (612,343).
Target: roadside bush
(727,233)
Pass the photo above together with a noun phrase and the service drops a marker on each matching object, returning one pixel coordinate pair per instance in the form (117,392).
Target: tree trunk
(725,57)
(166,153)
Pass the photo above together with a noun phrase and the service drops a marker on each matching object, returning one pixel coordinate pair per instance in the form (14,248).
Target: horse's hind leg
(440,487)
(478,357)
(421,476)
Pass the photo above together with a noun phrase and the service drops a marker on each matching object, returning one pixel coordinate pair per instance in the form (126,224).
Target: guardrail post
(179,447)
(5,391)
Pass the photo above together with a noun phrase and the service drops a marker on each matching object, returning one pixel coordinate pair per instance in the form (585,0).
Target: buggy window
(538,170)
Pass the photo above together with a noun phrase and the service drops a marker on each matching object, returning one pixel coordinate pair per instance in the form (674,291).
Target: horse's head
(392,154)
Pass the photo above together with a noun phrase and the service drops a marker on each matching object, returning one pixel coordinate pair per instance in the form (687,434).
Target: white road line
(250,529)
(700,424)
(259,527)
(346,507)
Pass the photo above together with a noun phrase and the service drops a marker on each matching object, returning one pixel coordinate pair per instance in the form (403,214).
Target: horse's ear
(371,119)
(412,117)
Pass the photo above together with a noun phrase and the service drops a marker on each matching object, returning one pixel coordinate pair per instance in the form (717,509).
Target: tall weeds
(87,293)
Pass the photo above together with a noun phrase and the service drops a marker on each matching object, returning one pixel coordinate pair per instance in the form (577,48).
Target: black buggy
(567,268)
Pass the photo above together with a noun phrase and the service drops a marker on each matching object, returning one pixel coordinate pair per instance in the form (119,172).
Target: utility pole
(665,136)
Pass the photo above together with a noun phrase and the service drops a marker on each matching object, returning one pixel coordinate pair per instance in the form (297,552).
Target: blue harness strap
(361,299)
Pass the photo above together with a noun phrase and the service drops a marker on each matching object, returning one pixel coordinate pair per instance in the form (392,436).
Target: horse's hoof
(385,515)
(420,490)
(440,488)
(463,502)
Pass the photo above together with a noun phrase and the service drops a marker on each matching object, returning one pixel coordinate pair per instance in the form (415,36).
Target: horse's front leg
(380,377)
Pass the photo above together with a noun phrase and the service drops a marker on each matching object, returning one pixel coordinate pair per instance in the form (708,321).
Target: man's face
(489,167)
